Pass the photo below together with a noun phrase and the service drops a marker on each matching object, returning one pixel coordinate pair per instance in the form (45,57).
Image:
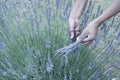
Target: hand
(90,31)
(74,26)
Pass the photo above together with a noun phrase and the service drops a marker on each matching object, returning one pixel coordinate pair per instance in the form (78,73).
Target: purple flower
(109,50)
(65,77)
(5,73)
(47,43)
(2,45)
(110,47)
(108,73)
(30,68)
(119,55)
(118,36)
(23,76)
(49,64)
(95,41)
(70,77)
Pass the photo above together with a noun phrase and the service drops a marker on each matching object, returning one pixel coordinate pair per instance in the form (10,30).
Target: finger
(71,34)
(88,39)
(86,42)
(77,29)
(77,33)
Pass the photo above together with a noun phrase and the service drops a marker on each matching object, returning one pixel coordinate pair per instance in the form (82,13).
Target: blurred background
(31,31)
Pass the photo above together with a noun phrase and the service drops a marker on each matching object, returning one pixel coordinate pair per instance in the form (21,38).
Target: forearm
(77,9)
(111,11)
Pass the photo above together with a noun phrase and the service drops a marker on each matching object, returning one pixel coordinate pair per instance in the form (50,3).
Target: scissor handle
(74,37)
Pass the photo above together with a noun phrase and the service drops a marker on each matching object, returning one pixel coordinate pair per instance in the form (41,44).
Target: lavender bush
(31,30)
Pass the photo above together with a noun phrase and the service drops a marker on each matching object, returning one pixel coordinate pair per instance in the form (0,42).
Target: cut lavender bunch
(71,47)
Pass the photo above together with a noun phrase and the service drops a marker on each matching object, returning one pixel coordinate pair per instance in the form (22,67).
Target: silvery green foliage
(31,31)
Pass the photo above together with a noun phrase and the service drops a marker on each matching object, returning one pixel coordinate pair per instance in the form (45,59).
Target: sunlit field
(32,30)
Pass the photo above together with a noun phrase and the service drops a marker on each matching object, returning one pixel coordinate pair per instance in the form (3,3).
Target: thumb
(71,34)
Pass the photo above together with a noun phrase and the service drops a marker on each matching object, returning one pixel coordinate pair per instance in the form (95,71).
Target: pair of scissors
(74,37)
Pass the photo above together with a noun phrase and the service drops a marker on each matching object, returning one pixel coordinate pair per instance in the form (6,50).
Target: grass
(30,32)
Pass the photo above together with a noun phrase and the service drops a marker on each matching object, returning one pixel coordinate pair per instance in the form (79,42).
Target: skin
(73,22)
(92,28)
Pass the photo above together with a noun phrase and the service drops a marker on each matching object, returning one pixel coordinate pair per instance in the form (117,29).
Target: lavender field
(32,30)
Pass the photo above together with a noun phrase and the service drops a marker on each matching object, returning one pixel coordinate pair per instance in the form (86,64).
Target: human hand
(90,31)
(74,29)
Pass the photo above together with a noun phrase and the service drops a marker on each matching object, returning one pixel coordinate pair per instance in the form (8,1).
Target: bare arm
(92,28)
(77,9)
(111,11)
(73,21)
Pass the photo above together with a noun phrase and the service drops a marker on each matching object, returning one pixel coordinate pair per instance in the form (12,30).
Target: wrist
(70,24)
(98,21)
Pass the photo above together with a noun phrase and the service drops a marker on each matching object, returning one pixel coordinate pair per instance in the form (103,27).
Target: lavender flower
(23,76)
(70,77)
(118,36)
(65,77)
(109,49)
(5,73)
(30,68)
(90,66)
(47,43)
(2,45)
(95,41)
(49,64)
(11,70)
(108,73)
